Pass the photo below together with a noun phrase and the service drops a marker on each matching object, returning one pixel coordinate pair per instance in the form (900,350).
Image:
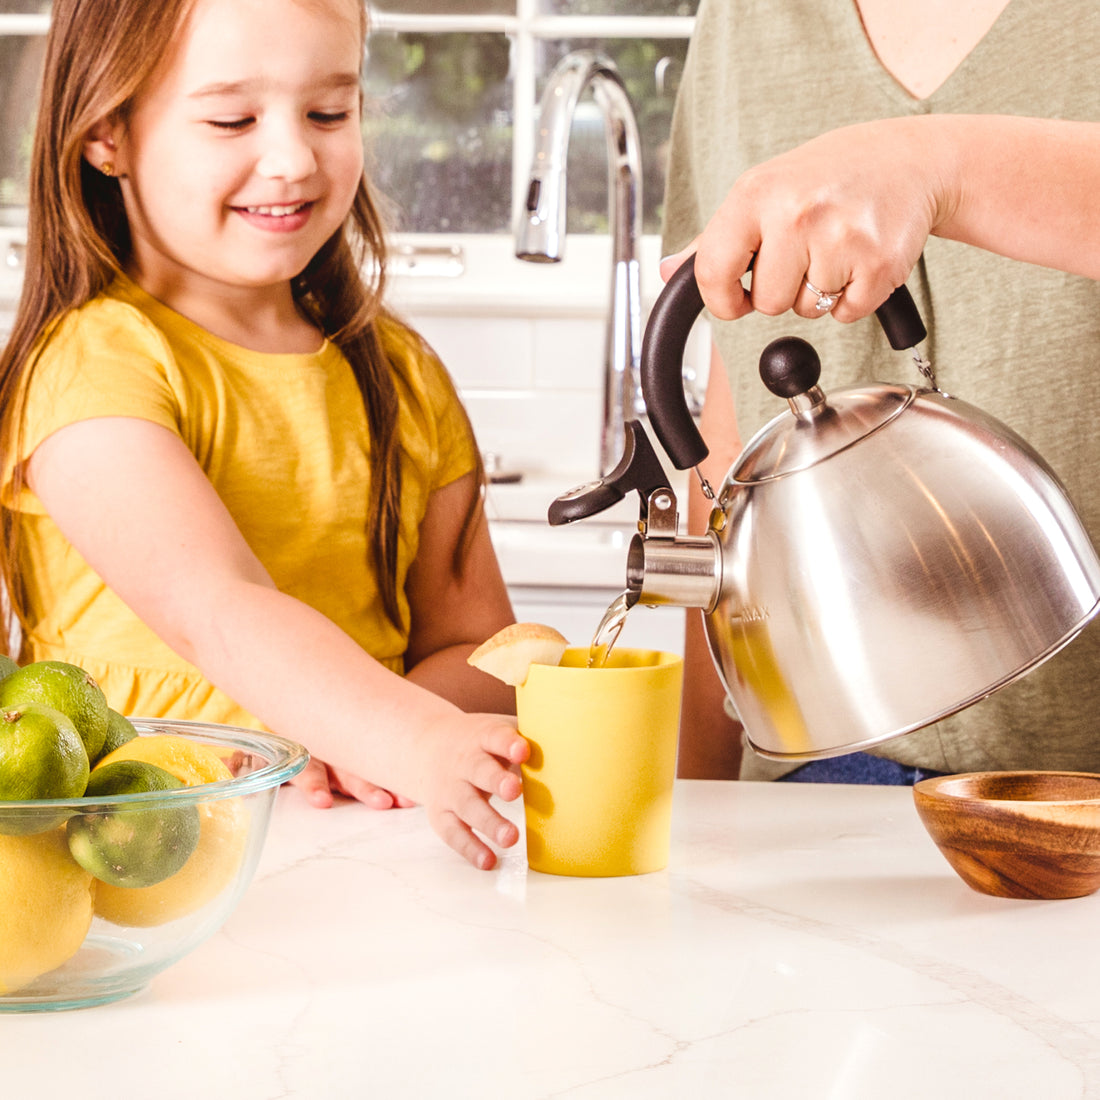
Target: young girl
(235,488)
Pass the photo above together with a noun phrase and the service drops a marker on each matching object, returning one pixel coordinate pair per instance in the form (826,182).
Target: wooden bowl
(1017,834)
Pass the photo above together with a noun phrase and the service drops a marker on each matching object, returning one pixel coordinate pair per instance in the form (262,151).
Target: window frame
(527,27)
(484,262)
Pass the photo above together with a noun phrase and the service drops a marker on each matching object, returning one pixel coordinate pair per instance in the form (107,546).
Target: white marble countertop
(806,941)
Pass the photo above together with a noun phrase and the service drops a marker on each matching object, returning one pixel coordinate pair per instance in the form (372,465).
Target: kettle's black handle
(670,323)
(901,320)
(662,372)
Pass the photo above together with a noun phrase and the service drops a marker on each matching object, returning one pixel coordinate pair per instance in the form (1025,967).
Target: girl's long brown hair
(99,55)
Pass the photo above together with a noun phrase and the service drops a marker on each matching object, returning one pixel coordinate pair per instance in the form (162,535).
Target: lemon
(223,833)
(45,906)
(138,844)
(41,756)
(119,731)
(64,687)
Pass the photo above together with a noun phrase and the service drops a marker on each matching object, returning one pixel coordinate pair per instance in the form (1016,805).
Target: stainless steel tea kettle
(877,558)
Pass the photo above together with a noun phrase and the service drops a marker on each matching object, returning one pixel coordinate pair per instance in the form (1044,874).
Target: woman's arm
(710,741)
(853,208)
(132,500)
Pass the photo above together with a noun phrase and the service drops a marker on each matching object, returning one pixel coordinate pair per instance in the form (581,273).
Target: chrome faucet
(540,232)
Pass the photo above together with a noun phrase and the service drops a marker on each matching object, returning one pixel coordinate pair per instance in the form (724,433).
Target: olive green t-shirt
(1020,342)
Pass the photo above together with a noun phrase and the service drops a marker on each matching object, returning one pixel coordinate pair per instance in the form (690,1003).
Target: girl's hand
(462,768)
(319,782)
(850,210)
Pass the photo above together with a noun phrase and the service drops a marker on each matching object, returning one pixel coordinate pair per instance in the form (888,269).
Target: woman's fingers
(849,211)
(818,298)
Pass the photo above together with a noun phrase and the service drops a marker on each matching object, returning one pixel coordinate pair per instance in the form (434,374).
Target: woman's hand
(852,209)
(849,211)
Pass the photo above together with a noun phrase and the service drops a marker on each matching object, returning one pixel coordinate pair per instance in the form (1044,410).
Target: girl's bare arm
(454,613)
(131,498)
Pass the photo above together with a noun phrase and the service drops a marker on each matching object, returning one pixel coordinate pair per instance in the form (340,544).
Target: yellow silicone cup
(597,788)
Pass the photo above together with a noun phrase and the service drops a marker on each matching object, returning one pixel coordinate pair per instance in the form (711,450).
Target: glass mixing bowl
(51,957)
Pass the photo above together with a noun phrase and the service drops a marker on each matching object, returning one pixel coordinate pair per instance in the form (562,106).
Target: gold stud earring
(107,168)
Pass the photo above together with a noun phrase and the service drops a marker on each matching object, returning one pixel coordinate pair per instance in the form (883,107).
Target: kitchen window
(453,90)
(456,97)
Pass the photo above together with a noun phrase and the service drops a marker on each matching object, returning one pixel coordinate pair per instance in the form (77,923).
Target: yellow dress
(284,441)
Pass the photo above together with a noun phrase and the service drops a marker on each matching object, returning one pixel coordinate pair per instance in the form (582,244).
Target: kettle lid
(815,427)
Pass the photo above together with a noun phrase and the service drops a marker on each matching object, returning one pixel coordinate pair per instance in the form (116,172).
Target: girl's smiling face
(243,156)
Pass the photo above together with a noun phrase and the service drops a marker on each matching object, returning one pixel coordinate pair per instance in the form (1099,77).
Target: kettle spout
(671,570)
(676,572)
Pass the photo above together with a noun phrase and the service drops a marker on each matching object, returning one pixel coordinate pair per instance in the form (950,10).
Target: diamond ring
(826,299)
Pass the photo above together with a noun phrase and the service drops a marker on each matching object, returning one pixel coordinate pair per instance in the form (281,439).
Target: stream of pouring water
(607,633)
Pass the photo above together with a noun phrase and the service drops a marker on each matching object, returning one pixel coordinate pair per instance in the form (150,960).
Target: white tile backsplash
(569,354)
(483,352)
(525,344)
(539,431)
(533,386)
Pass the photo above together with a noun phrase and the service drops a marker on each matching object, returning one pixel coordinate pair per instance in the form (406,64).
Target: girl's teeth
(275,211)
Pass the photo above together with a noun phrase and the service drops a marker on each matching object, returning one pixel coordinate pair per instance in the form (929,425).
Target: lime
(7,666)
(45,906)
(223,838)
(41,756)
(67,688)
(134,845)
(119,731)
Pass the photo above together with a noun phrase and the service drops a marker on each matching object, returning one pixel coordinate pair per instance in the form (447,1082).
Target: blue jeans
(858,767)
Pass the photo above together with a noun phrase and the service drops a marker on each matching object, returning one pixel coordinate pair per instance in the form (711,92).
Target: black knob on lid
(789,366)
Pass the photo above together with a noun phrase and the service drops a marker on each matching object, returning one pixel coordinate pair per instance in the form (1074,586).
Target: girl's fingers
(362,790)
(460,838)
(501,739)
(473,809)
(313,782)
(509,787)
(457,830)
(487,774)
(319,782)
